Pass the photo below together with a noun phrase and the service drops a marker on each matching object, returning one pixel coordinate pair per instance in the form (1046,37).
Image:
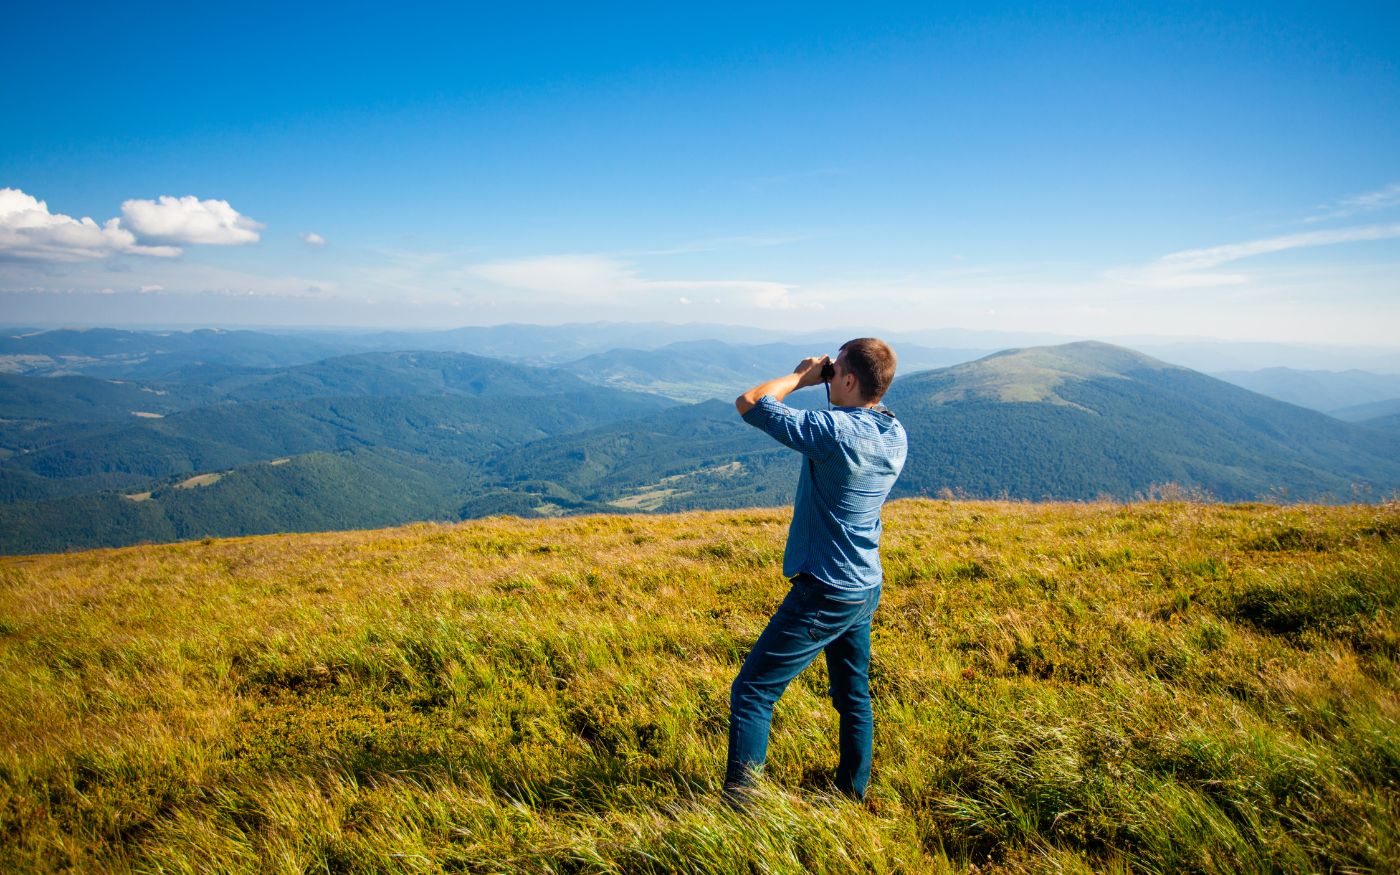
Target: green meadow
(1160,686)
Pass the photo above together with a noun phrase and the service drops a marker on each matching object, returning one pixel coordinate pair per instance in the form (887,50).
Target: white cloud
(1194,268)
(778,297)
(1361,203)
(190,220)
(28,230)
(311,238)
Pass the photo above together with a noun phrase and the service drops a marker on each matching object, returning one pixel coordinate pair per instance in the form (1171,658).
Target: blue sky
(1095,170)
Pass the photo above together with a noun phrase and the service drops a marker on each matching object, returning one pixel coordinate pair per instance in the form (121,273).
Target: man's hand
(807,373)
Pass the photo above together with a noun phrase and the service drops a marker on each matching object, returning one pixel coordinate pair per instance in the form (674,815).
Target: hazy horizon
(956,332)
(514,341)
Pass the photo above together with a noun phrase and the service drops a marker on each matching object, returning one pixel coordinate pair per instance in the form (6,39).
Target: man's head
(864,370)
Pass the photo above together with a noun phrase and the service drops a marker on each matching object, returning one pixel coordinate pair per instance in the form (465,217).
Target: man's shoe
(739,797)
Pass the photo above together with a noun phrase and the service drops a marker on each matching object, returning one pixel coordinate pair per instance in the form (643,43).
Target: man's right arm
(810,432)
(807,373)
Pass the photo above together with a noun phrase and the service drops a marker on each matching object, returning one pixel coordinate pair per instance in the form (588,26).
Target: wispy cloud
(167,276)
(1369,202)
(1195,268)
(604,279)
(311,238)
(591,276)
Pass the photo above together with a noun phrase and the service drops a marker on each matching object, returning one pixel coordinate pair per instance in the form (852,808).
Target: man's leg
(848,666)
(785,648)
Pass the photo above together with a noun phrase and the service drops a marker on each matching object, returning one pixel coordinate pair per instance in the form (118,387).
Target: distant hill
(700,370)
(392,375)
(1216,356)
(181,355)
(35,399)
(1327,391)
(1081,420)
(164,354)
(695,457)
(223,435)
(90,399)
(318,491)
(554,344)
(379,438)
(110,352)
(353,425)
(1388,422)
(1368,413)
(557,344)
(1088,419)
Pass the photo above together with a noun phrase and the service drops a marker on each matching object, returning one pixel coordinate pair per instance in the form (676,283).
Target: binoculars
(828,371)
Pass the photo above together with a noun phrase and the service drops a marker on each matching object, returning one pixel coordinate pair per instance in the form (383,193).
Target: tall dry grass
(1156,687)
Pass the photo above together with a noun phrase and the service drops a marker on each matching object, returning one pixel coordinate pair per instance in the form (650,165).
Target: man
(853,454)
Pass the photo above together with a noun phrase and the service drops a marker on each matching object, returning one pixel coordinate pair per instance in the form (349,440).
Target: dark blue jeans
(813,618)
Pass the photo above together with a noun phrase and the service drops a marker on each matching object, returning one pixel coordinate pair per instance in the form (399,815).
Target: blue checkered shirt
(852,457)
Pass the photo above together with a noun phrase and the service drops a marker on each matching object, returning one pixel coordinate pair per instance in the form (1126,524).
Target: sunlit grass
(1070,687)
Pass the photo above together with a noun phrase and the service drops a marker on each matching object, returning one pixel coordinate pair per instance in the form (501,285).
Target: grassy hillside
(1157,687)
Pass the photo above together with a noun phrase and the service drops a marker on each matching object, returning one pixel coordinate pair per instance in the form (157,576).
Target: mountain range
(132,354)
(1088,419)
(368,439)
(704,369)
(1343,394)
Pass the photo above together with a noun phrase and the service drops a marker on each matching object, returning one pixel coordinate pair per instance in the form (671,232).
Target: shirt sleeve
(810,432)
